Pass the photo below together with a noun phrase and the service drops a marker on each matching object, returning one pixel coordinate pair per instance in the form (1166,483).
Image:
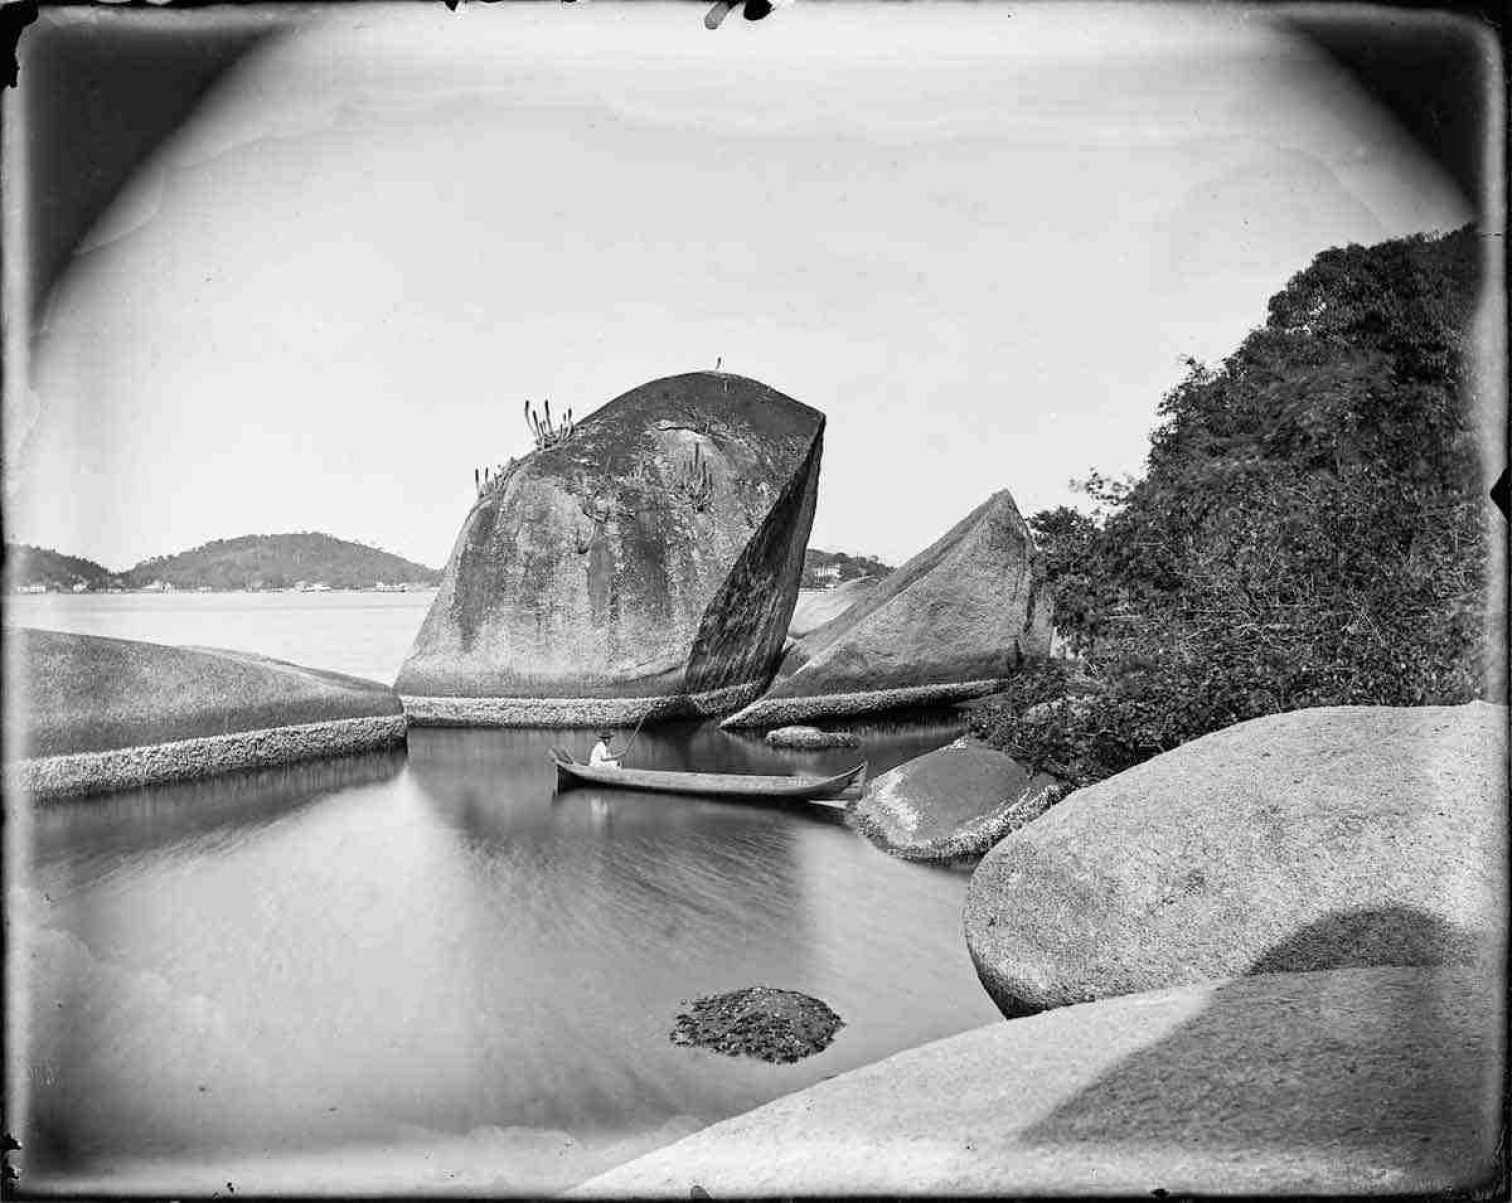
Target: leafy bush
(1310,528)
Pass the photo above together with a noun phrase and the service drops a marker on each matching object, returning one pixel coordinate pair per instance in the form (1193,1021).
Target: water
(364,634)
(431,972)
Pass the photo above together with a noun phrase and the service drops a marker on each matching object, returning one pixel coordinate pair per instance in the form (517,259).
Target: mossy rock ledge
(646,565)
(759,1021)
(98,714)
(953,623)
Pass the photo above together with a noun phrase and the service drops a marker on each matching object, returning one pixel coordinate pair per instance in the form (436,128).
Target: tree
(1309,529)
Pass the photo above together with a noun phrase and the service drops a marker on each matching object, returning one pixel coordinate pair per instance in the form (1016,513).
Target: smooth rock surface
(592,585)
(952,623)
(98,714)
(1316,839)
(953,803)
(818,606)
(1360,1080)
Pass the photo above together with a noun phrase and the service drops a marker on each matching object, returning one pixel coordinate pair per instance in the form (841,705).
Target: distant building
(81,587)
(829,574)
(32,589)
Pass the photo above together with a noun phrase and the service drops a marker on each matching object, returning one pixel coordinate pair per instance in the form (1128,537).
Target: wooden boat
(708,785)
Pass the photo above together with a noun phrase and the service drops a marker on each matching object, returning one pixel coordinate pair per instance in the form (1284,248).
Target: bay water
(430,970)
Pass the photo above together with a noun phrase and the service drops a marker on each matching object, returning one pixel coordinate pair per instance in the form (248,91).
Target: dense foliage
(849,567)
(1311,527)
(27,566)
(248,562)
(278,562)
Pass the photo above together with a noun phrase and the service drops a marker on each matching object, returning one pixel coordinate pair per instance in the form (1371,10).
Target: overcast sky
(979,238)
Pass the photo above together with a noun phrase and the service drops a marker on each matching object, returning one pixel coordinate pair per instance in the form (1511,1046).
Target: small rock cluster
(759,1021)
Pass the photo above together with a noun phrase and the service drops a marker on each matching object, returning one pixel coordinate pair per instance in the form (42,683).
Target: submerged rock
(811,737)
(952,623)
(647,564)
(1317,839)
(954,803)
(103,714)
(759,1021)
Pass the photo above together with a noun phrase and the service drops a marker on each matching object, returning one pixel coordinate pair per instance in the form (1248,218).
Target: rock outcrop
(1368,1081)
(1317,839)
(818,606)
(647,564)
(953,804)
(100,714)
(952,623)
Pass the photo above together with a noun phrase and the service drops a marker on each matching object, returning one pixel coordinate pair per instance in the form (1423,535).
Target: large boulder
(818,606)
(1368,1081)
(647,564)
(952,623)
(954,803)
(1317,839)
(98,714)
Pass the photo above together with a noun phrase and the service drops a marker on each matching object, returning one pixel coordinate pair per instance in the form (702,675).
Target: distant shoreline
(198,589)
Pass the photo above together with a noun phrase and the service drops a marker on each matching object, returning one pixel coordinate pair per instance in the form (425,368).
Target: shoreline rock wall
(96,714)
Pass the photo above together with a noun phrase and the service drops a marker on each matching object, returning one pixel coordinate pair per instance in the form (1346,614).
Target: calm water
(430,971)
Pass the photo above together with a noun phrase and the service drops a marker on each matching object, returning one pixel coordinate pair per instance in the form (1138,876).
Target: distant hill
(821,569)
(28,567)
(279,562)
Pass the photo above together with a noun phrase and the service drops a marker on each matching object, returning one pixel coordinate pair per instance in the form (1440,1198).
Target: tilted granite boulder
(1357,1081)
(647,564)
(99,714)
(952,623)
(818,606)
(1317,839)
(954,803)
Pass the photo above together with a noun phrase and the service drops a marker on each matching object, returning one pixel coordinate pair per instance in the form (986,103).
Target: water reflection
(421,950)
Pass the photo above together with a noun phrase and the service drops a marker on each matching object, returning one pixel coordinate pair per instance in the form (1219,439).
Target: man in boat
(601,757)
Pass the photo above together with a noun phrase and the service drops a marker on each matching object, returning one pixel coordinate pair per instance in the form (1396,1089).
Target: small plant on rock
(694,481)
(545,432)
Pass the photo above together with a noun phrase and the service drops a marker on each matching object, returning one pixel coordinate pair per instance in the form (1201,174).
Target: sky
(979,238)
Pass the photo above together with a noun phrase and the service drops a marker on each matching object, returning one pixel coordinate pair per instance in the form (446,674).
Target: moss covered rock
(759,1021)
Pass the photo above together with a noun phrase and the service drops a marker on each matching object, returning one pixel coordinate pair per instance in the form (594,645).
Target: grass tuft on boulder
(758,1021)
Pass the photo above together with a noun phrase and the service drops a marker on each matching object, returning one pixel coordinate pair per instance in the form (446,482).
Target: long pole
(634,735)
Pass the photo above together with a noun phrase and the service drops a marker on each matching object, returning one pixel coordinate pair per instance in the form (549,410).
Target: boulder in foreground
(952,623)
(1364,1080)
(1317,839)
(648,564)
(759,1021)
(102,714)
(954,803)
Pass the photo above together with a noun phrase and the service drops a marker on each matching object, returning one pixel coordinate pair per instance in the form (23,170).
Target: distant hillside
(279,562)
(28,566)
(822,569)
